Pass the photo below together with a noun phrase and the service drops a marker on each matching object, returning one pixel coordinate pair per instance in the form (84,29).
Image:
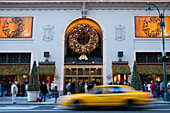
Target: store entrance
(78,83)
(78,75)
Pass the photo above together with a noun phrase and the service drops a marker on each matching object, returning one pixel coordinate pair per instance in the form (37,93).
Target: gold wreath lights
(88,47)
(19,27)
(152,32)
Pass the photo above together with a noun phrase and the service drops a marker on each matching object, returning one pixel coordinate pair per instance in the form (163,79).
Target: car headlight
(63,99)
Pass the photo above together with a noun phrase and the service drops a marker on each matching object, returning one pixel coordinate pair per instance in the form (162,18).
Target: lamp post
(162,24)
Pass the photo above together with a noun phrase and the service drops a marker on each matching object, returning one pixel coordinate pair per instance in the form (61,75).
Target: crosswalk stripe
(31,110)
(159,109)
(18,107)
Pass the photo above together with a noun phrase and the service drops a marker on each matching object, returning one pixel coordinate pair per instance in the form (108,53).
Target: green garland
(163,58)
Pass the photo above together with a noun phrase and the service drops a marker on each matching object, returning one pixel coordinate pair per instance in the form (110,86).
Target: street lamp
(162,24)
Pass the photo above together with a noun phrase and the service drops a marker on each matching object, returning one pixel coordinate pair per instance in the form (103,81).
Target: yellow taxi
(107,95)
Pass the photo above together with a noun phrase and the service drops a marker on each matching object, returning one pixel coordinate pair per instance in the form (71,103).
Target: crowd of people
(5,88)
(156,89)
(14,89)
(82,87)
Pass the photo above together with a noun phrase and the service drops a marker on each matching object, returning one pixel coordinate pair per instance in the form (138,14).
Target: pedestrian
(85,88)
(153,89)
(168,86)
(22,89)
(44,91)
(68,87)
(48,89)
(145,86)
(26,88)
(14,92)
(8,88)
(0,89)
(19,90)
(90,86)
(4,88)
(73,87)
(52,88)
(56,94)
(118,83)
(80,90)
(149,88)
(161,89)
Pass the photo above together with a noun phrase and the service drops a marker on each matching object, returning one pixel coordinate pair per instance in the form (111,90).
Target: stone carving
(48,33)
(119,33)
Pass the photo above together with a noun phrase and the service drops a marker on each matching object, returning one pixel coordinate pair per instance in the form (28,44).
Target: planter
(33,95)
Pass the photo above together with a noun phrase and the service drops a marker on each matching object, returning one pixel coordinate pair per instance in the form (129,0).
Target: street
(155,108)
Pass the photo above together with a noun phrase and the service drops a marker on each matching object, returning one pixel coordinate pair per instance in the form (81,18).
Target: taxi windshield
(96,90)
(108,90)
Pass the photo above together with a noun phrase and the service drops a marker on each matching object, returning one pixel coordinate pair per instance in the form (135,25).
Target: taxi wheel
(77,105)
(130,105)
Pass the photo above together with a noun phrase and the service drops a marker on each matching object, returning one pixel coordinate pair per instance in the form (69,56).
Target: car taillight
(146,95)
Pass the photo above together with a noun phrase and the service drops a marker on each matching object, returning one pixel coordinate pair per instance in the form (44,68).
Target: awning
(120,69)
(46,69)
(14,69)
(152,69)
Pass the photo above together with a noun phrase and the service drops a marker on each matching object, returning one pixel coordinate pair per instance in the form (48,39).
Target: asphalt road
(156,108)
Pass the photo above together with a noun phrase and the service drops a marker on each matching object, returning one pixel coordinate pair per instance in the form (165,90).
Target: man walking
(44,91)
(161,89)
(14,92)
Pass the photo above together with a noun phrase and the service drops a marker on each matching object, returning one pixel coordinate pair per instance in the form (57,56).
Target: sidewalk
(160,101)
(23,101)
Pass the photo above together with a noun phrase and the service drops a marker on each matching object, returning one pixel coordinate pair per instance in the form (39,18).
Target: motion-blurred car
(107,95)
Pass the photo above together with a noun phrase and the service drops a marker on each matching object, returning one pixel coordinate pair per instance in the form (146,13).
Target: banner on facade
(16,27)
(148,27)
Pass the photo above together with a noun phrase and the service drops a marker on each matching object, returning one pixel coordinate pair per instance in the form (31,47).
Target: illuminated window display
(16,27)
(148,27)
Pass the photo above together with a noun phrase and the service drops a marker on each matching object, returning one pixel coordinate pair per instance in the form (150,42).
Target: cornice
(88,1)
(78,5)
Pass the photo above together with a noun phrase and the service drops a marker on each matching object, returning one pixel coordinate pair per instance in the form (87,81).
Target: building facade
(74,41)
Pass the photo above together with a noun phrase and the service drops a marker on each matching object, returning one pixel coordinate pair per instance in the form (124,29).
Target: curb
(25,104)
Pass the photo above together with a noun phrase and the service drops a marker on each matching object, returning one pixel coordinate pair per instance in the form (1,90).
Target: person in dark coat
(8,88)
(4,88)
(22,89)
(44,91)
(90,86)
(56,94)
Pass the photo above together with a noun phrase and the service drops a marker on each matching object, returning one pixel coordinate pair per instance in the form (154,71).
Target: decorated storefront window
(16,27)
(148,27)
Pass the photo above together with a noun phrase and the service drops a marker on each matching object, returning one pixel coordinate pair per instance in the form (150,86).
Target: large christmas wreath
(20,27)
(148,31)
(90,45)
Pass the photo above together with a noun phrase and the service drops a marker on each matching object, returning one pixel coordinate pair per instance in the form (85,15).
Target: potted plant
(33,87)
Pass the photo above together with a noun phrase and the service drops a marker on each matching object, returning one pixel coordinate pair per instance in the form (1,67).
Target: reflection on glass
(73,71)
(86,71)
(67,71)
(99,71)
(80,71)
(92,71)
